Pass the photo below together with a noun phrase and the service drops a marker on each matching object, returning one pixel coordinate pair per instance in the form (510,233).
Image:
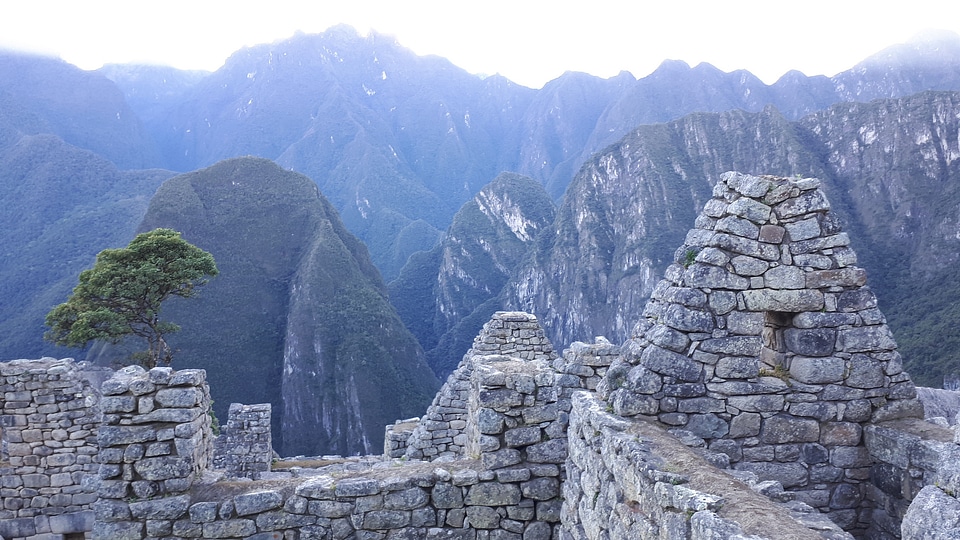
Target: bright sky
(528,41)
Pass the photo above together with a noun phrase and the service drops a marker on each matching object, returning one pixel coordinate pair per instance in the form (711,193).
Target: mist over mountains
(606,177)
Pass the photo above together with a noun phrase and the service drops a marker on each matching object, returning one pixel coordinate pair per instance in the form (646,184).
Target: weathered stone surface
(493,494)
(733,345)
(745,207)
(745,323)
(932,514)
(784,277)
(713,277)
(669,363)
(688,320)
(254,503)
(782,428)
(812,370)
(811,342)
(791,301)
(866,339)
(163,508)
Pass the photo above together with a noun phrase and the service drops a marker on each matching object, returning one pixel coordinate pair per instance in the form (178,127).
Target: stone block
(733,345)
(164,508)
(865,372)
(714,277)
(254,503)
(804,229)
(522,436)
(753,210)
(784,277)
(707,426)
(504,457)
(745,323)
(737,367)
(791,301)
(811,342)
(493,494)
(841,277)
(386,519)
(813,370)
(552,451)
(330,509)
(687,320)
(666,362)
(866,339)
(178,397)
(231,528)
(782,428)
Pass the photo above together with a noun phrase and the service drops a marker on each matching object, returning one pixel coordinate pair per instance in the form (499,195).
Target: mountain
(83,108)
(298,316)
(890,167)
(400,142)
(446,295)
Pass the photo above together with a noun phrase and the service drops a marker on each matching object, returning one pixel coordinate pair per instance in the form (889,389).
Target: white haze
(530,42)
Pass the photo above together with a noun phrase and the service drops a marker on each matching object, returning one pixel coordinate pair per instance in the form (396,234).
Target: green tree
(121,295)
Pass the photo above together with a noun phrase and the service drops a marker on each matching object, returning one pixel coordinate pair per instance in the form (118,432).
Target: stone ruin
(760,396)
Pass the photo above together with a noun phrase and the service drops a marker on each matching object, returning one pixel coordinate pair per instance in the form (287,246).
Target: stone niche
(764,340)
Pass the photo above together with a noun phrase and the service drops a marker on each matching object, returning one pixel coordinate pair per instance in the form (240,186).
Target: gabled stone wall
(764,340)
(440,432)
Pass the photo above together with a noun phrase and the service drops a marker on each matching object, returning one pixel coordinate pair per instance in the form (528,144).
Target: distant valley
(373,232)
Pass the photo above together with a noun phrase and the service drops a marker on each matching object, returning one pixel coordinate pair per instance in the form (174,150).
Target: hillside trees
(122,294)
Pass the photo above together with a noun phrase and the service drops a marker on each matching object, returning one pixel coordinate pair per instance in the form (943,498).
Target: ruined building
(760,396)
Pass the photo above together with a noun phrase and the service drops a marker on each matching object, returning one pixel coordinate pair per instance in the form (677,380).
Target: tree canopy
(121,295)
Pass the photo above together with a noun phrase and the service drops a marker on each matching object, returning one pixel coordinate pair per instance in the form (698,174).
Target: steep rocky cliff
(889,166)
(625,213)
(298,316)
(446,295)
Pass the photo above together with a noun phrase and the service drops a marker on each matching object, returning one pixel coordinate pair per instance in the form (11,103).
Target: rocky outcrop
(446,295)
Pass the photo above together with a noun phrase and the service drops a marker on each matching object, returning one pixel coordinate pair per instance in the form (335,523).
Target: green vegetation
(298,316)
(122,294)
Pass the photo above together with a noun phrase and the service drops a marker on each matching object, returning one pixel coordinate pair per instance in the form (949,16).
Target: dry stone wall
(625,481)
(48,429)
(440,432)
(910,457)
(764,340)
(155,441)
(244,448)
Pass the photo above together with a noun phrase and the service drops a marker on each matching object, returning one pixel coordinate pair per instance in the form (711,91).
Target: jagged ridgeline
(446,295)
(298,316)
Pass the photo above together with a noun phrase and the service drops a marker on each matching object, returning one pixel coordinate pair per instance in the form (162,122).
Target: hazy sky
(530,42)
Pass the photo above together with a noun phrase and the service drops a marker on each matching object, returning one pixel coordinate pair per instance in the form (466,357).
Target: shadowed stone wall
(48,429)
(244,448)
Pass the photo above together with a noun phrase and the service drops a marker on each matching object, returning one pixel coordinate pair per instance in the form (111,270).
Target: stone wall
(764,340)
(907,457)
(440,432)
(409,500)
(244,448)
(48,429)
(155,442)
(626,479)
